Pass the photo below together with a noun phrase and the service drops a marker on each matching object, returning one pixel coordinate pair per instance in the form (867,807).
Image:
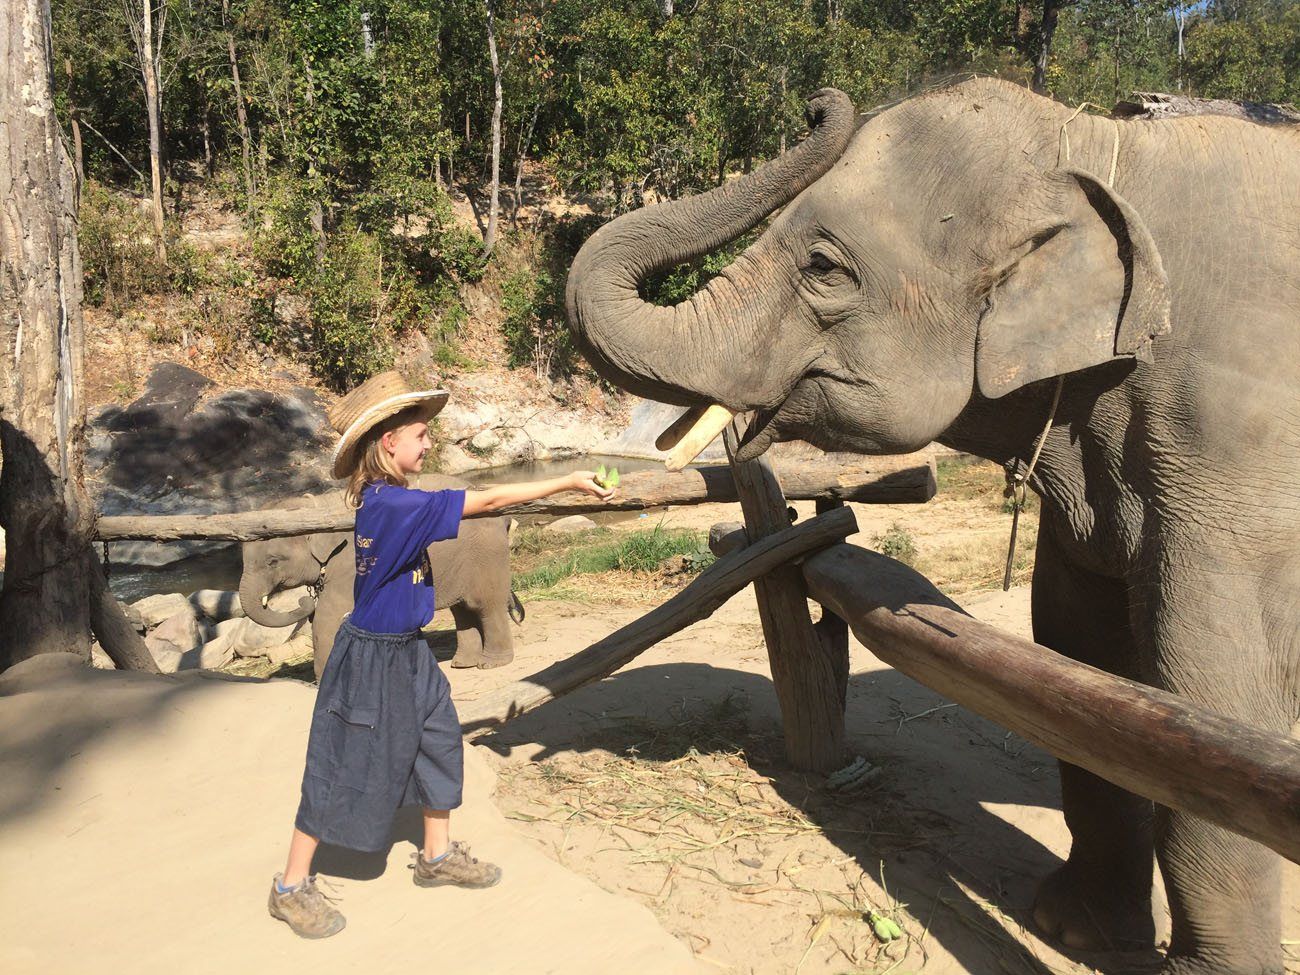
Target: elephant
(471,576)
(981,266)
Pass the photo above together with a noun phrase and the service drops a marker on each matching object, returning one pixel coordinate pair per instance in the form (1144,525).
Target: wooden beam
(1148,741)
(698,600)
(879,480)
(810,677)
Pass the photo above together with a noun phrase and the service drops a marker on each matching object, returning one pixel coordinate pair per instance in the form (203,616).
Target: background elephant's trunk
(703,348)
(251,601)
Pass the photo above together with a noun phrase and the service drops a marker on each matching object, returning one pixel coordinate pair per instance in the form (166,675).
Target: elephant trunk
(251,601)
(711,346)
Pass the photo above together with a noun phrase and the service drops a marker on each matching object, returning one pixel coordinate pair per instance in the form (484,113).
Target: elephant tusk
(674,432)
(266,601)
(705,428)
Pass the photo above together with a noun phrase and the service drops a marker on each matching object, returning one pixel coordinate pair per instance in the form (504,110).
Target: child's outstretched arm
(504,495)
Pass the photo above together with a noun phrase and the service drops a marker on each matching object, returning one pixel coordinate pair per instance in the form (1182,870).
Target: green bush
(534,326)
(897,543)
(117,252)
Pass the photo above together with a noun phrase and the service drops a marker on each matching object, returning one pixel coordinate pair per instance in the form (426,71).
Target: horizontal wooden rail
(879,480)
(713,587)
(1153,743)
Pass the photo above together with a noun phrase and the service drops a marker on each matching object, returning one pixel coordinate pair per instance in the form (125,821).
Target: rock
(217,604)
(570,525)
(99,659)
(211,656)
(153,610)
(254,640)
(485,441)
(165,656)
(171,452)
(183,631)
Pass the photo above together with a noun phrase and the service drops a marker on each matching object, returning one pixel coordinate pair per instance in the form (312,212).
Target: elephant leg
(469,639)
(498,641)
(1211,618)
(1101,896)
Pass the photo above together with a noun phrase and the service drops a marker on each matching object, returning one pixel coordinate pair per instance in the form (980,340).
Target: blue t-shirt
(394,588)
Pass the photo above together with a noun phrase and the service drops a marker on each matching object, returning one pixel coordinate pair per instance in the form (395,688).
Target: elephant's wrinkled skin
(471,576)
(936,269)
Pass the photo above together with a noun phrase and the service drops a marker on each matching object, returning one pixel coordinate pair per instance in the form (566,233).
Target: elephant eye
(827,267)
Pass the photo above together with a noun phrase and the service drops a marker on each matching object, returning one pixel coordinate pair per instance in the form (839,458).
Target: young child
(384,731)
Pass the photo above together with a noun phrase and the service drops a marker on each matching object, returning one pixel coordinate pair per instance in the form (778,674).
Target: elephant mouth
(781,422)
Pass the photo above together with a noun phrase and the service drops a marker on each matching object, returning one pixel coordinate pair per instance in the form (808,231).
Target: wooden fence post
(810,674)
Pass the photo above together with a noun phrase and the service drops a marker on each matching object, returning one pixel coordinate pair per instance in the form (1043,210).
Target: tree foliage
(363,114)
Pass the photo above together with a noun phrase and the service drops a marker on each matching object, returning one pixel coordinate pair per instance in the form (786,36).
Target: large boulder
(570,525)
(178,449)
(182,632)
(153,610)
(217,604)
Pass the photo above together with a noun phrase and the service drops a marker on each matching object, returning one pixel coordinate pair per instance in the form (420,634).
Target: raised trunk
(672,353)
(251,600)
(44,510)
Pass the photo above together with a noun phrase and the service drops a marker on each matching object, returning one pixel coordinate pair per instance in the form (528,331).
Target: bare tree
(54,591)
(1046,31)
(241,113)
(147,38)
(490,235)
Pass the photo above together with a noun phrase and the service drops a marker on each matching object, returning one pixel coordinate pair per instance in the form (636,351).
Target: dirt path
(140,818)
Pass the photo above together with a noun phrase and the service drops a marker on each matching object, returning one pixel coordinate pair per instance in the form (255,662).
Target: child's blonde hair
(374,463)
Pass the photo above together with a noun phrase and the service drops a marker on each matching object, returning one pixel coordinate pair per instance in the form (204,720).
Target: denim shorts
(384,734)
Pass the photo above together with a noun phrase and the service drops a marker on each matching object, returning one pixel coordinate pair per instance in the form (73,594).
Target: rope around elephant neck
(1016,482)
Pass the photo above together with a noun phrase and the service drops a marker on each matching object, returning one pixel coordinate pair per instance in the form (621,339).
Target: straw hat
(374,401)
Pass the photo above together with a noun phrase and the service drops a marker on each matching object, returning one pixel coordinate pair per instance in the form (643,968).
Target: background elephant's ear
(1086,289)
(325,546)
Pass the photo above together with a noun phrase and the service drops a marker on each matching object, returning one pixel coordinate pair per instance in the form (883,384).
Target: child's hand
(585,481)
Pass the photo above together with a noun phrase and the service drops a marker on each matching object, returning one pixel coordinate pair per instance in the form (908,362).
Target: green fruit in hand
(601,476)
(612,480)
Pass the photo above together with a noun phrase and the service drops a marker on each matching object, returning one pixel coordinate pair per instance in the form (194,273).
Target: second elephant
(471,576)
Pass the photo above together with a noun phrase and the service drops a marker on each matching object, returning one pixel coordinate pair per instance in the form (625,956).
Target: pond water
(220,568)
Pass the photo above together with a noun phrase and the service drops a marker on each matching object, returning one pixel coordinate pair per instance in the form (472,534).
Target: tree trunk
(1051,8)
(241,113)
(317,209)
(46,515)
(521,157)
(490,235)
(205,126)
(152,100)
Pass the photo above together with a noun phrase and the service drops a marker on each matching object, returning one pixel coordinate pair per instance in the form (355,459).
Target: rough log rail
(713,587)
(878,480)
(1153,743)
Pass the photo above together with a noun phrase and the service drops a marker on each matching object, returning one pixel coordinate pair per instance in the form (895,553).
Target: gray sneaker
(306,909)
(457,868)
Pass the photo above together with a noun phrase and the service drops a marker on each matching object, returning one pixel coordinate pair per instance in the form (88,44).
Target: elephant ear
(1086,289)
(325,547)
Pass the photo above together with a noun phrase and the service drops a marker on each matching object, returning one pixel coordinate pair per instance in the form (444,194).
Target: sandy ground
(646,823)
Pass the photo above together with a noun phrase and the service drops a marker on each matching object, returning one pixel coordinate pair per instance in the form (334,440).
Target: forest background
(344,131)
